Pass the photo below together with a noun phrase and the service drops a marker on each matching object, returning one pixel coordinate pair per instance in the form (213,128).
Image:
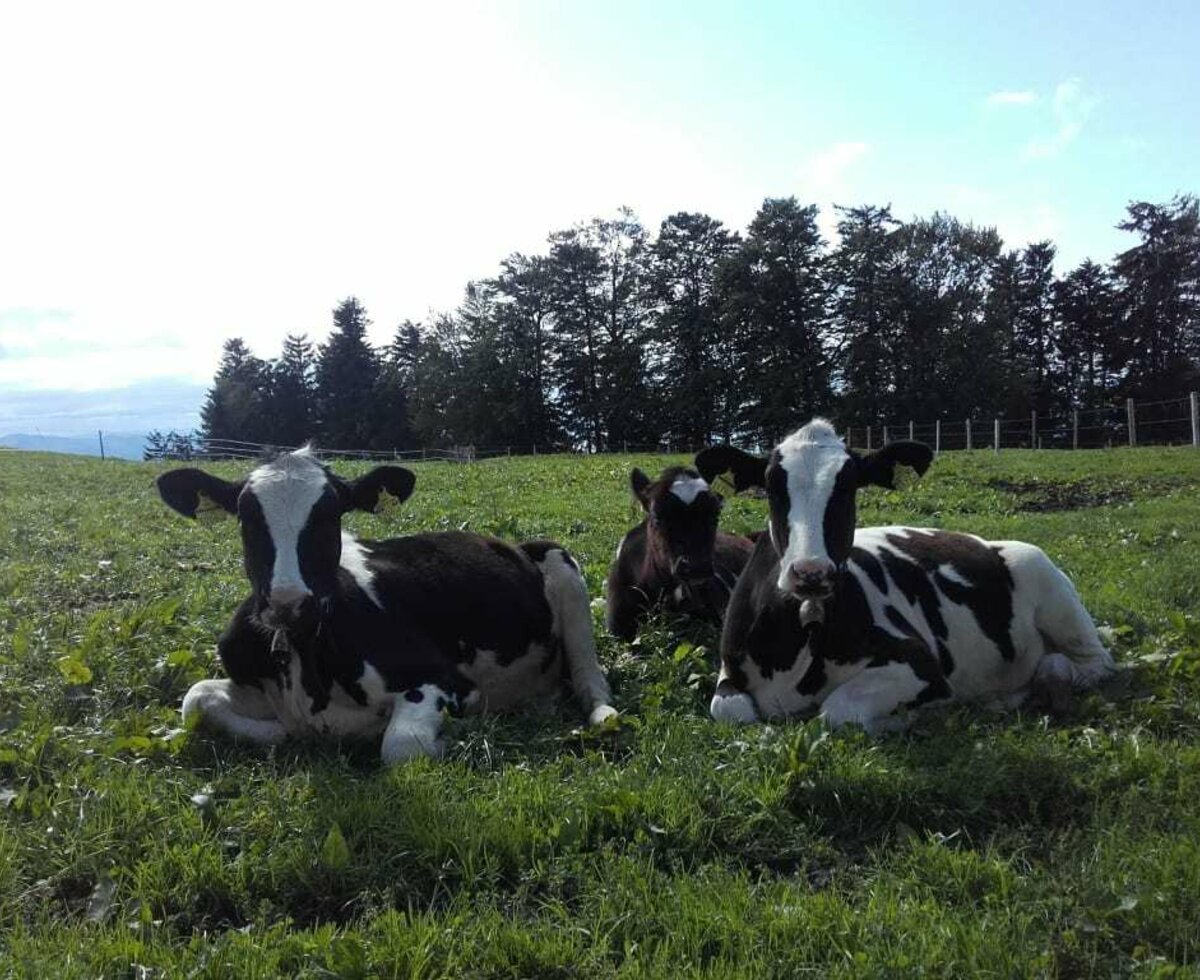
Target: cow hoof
(601,713)
(737,708)
(402,746)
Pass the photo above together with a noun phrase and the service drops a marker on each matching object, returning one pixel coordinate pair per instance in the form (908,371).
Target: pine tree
(863,308)
(775,307)
(691,351)
(1159,282)
(234,406)
(347,374)
(292,405)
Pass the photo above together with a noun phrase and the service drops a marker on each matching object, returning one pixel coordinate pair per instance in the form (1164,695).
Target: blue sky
(174,176)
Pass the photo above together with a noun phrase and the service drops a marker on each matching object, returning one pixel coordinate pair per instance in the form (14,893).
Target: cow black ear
(194,493)
(745,471)
(888,467)
(363,493)
(639,483)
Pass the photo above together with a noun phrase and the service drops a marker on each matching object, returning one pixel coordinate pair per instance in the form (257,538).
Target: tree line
(614,336)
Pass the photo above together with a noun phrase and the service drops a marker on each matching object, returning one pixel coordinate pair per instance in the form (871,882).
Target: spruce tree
(347,375)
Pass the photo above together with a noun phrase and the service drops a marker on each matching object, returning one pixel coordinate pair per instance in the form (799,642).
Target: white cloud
(825,181)
(177,180)
(1022,97)
(1071,107)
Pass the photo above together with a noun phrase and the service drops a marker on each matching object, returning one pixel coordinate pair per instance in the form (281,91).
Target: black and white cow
(357,638)
(675,555)
(865,624)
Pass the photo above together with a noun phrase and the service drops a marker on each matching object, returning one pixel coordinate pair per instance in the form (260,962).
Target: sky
(172,175)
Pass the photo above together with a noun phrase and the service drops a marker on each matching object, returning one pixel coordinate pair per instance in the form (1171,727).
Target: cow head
(681,521)
(811,480)
(290,510)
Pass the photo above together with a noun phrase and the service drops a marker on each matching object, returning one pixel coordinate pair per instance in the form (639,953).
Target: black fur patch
(989,595)
(870,564)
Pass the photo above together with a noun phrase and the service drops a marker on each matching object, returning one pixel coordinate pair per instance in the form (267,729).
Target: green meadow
(975,844)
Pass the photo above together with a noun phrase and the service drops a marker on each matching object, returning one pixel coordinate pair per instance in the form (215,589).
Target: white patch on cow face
(354,560)
(688,488)
(811,458)
(286,490)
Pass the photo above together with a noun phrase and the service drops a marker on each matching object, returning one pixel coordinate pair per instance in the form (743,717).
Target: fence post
(1075,429)
(910,430)
(1130,413)
(1033,442)
(885,435)
(100,433)
(969,434)
(868,438)
(1195,418)
(937,437)
(996,434)
(849,443)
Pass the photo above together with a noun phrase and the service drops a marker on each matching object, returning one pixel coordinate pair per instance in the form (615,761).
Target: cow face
(681,515)
(290,510)
(811,481)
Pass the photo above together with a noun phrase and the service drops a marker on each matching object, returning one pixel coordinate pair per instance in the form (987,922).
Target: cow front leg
(233,709)
(871,698)
(568,597)
(416,724)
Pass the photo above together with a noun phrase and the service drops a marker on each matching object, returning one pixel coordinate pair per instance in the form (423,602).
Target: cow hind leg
(1068,630)
(568,597)
(232,709)
(871,698)
(415,726)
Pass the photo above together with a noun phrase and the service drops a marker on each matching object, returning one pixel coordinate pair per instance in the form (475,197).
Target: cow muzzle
(809,578)
(693,572)
(289,608)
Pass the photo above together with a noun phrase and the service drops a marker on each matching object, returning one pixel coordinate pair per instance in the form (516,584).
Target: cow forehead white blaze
(286,489)
(688,488)
(812,458)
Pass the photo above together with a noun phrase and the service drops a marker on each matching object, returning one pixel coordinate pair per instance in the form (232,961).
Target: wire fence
(1172,421)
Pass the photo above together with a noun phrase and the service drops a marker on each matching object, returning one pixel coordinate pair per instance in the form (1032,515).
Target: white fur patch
(737,708)
(812,458)
(286,489)
(872,697)
(688,488)
(354,560)
(415,727)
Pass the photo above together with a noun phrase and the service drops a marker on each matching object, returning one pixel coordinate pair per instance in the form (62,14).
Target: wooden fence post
(868,438)
(996,434)
(937,437)
(848,433)
(1195,400)
(885,435)
(1130,413)
(969,434)
(910,430)
(1075,429)
(1033,442)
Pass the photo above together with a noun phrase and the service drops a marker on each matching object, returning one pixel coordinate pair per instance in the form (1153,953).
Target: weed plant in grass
(975,844)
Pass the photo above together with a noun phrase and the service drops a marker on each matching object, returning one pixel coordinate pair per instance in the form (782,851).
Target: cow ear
(363,493)
(895,465)
(744,471)
(639,483)
(194,493)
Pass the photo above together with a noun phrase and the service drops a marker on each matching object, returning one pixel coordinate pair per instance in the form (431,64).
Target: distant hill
(120,445)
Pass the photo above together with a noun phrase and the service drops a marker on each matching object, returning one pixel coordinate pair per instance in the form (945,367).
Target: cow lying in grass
(864,625)
(675,555)
(353,638)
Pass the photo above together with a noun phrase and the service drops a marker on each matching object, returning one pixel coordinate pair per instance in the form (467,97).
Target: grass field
(976,844)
